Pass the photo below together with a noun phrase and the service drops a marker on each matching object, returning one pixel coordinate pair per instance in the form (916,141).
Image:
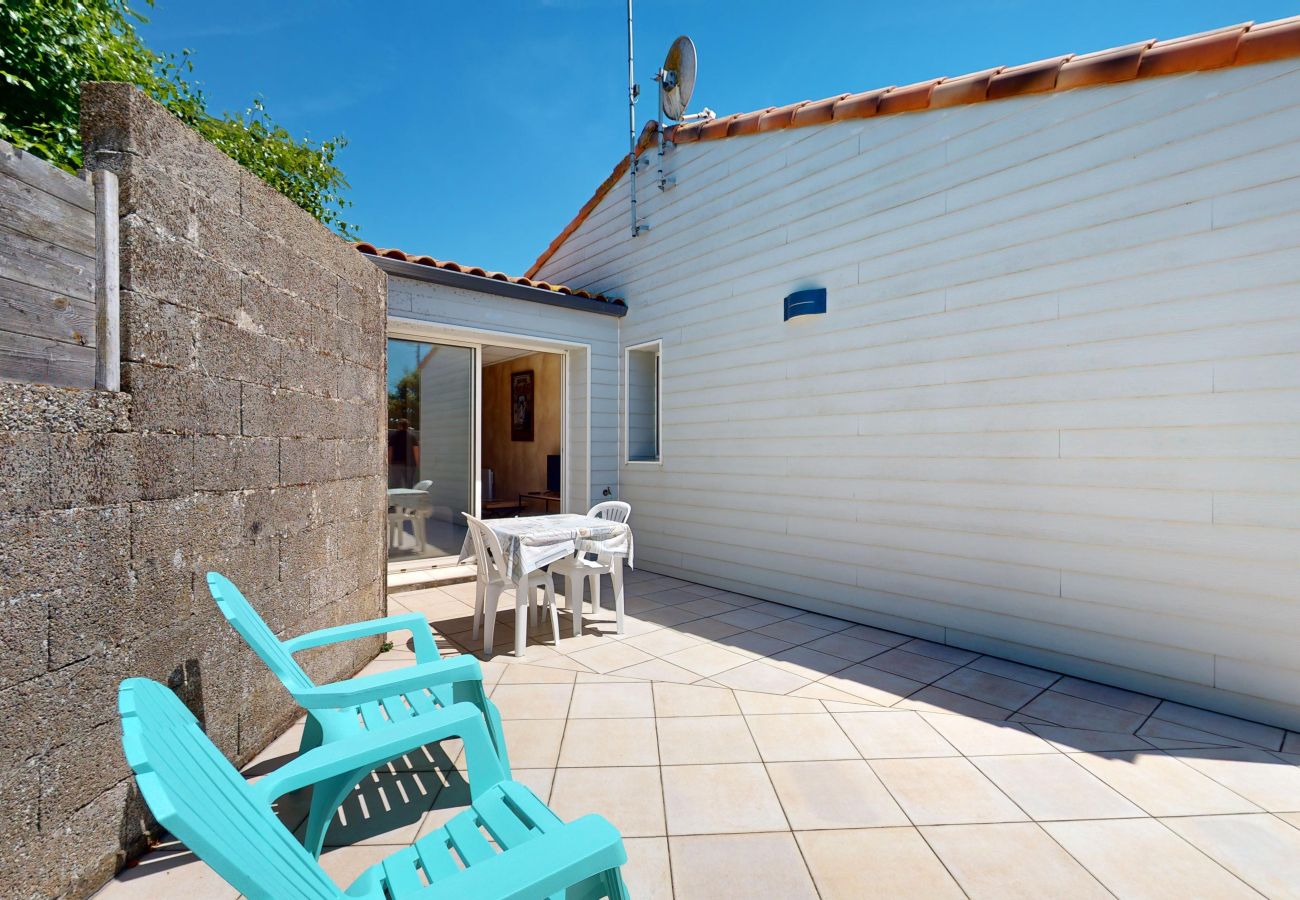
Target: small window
(643,387)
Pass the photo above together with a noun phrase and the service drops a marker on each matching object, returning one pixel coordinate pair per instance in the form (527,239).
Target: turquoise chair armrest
(369,688)
(425,648)
(369,750)
(543,866)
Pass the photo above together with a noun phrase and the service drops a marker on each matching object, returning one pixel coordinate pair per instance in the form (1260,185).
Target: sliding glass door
(431,432)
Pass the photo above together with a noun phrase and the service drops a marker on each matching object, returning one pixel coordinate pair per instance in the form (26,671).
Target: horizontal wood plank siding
(444,305)
(47,273)
(1053,410)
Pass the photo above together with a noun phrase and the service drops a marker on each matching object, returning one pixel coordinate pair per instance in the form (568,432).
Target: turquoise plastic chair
(370,703)
(199,797)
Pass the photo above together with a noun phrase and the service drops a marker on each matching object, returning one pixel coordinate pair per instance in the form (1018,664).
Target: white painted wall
(592,405)
(1053,411)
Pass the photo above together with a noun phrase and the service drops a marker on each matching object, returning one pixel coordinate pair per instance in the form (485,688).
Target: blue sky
(477,128)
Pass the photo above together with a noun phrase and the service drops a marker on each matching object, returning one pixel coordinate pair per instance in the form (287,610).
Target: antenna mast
(633,90)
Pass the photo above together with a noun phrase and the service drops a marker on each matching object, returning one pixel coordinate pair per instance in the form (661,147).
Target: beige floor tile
(610,656)
(761,676)
(707,867)
(846,647)
(1010,862)
(779,610)
(1170,736)
(875,864)
(1075,712)
(876,635)
(1162,785)
(705,739)
(533,743)
(646,872)
(663,617)
(1015,671)
(817,620)
(708,629)
(1070,740)
(1104,693)
(628,796)
(170,872)
(687,700)
(1261,850)
(1258,776)
(707,606)
(876,685)
(706,659)
(841,793)
(630,700)
(937,700)
(526,674)
(1143,858)
(1265,736)
(736,599)
(673,596)
(911,665)
(811,664)
(748,617)
(384,809)
(939,651)
(945,791)
(658,670)
(830,697)
(345,864)
(888,734)
(1005,692)
(753,644)
(589,743)
(980,737)
(792,631)
(662,642)
(758,703)
(532,701)
(720,799)
(1052,786)
(795,738)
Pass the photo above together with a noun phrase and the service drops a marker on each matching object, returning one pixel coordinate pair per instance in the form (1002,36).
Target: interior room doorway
(472,428)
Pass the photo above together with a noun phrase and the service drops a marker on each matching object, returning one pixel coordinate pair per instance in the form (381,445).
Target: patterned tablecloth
(530,542)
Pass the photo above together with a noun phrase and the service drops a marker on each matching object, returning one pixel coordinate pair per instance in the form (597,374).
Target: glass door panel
(431,406)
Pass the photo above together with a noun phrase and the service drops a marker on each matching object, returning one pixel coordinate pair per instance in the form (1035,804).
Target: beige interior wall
(521,465)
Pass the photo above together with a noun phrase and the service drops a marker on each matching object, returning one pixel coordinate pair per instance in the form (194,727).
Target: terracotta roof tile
(1235,45)
(1209,50)
(908,98)
(816,113)
(393,253)
(971,88)
(1270,41)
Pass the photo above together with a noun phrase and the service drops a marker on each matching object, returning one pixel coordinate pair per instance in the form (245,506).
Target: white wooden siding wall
(1053,411)
(443,305)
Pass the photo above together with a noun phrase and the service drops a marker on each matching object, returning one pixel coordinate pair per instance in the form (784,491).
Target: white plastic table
(531,542)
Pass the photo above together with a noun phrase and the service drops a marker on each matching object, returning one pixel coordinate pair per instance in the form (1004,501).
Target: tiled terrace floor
(746,749)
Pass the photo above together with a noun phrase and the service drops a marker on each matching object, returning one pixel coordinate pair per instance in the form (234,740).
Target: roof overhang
(484,285)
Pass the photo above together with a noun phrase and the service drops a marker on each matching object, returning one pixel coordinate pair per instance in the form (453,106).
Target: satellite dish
(677,78)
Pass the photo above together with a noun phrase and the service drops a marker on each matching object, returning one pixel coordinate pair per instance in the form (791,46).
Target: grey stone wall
(247,439)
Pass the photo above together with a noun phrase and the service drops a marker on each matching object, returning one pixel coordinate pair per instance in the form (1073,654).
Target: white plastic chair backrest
(614,510)
(487,550)
(423,485)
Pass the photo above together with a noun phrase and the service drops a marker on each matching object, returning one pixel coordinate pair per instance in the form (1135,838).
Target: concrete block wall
(247,439)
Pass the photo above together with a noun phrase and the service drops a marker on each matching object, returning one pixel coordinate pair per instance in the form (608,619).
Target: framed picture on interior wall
(521,406)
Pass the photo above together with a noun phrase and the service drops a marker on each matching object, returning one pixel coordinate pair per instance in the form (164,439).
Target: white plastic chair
(494,579)
(580,569)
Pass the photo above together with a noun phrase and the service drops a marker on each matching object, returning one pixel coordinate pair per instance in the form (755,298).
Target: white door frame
(476,338)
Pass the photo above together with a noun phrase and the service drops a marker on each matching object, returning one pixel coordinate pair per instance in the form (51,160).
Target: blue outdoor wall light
(805,303)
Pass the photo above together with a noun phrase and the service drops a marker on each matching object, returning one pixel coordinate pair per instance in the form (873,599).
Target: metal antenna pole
(632,92)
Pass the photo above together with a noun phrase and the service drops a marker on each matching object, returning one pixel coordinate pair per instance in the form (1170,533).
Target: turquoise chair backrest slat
(197,795)
(254,630)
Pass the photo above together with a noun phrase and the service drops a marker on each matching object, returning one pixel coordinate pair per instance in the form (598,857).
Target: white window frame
(658,346)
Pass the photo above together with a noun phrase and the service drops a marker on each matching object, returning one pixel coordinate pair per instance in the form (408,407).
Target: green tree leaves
(48,48)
